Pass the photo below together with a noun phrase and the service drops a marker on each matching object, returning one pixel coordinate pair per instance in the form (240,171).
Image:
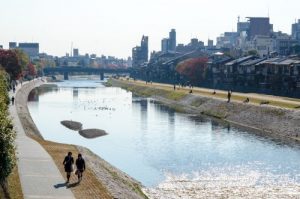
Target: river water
(160,147)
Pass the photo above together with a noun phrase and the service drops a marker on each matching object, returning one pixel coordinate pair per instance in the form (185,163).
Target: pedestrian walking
(14,88)
(80,165)
(229,96)
(69,163)
(12,100)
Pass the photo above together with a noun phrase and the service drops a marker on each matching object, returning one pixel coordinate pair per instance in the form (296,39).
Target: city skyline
(113,28)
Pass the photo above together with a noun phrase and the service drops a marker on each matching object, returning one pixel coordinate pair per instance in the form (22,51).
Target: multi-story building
(75,52)
(296,30)
(193,45)
(172,40)
(140,53)
(164,45)
(169,44)
(31,49)
(227,40)
(129,62)
(210,43)
(264,45)
(144,48)
(284,43)
(259,26)
(12,45)
(242,26)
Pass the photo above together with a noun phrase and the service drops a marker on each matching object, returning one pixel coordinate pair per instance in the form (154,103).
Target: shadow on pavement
(60,185)
(72,185)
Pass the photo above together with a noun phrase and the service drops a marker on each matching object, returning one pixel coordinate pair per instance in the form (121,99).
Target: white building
(263,45)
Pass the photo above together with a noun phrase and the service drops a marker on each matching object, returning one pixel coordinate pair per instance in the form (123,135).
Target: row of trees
(17,64)
(14,64)
(7,134)
(193,69)
(189,71)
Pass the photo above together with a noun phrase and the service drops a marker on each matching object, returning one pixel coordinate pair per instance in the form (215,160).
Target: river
(155,144)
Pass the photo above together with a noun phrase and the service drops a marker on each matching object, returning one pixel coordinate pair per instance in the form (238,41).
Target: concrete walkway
(39,176)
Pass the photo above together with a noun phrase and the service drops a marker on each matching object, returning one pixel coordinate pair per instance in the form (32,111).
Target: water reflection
(75,94)
(150,141)
(34,95)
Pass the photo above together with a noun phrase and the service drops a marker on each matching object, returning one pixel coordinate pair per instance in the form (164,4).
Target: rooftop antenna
(268,11)
(239,19)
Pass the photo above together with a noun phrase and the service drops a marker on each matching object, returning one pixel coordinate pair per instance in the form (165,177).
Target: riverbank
(268,120)
(100,179)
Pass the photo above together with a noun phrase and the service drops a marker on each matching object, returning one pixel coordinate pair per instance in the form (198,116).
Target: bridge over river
(66,70)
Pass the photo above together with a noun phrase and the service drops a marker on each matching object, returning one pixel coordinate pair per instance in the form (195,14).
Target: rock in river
(92,133)
(75,126)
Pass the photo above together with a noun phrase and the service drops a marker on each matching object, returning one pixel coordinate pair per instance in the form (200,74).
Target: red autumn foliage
(193,68)
(31,70)
(10,62)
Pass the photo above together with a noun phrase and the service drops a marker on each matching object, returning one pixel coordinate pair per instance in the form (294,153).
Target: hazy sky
(113,27)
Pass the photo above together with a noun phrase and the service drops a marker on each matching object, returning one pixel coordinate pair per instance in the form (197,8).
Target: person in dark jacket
(12,100)
(80,165)
(68,163)
(229,96)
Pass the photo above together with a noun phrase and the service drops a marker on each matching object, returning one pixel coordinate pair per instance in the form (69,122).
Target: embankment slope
(269,120)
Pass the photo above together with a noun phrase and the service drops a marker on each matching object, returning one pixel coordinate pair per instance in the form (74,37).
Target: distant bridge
(65,70)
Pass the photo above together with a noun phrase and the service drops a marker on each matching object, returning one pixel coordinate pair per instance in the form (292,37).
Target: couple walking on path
(69,166)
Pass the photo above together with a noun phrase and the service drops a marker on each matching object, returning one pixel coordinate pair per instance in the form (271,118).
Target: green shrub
(7,134)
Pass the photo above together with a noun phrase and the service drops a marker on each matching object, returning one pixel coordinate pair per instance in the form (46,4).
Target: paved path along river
(39,176)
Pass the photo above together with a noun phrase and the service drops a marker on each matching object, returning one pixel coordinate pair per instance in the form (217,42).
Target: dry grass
(90,187)
(223,95)
(14,186)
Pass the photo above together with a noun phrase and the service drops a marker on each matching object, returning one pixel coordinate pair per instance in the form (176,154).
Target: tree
(10,63)
(22,57)
(32,70)
(194,69)
(252,52)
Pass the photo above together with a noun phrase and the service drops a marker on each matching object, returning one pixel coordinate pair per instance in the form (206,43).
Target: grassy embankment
(149,91)
(220,110)
(256,100)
